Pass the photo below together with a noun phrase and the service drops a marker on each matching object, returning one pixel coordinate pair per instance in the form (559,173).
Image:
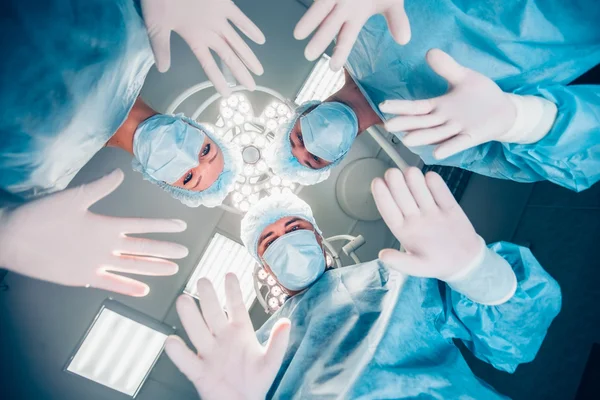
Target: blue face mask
(329,130)
(167,147)
(296,259)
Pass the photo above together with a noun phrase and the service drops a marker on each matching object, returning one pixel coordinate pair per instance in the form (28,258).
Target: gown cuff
(535,117)
(488,280)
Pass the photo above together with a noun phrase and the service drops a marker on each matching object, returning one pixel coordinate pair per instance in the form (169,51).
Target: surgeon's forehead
(280,225)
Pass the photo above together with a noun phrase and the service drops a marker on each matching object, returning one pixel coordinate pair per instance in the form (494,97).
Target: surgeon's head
(281,233)
(315,140)
(185,159)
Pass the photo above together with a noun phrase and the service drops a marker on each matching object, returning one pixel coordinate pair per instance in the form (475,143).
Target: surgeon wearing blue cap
(384,329)
(480,87)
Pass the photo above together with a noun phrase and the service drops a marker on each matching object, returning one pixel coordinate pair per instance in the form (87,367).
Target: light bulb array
(253,135)
(275,296)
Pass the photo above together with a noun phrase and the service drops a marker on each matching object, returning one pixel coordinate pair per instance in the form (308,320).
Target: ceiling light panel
(224,255)
(321,83)
(117,352)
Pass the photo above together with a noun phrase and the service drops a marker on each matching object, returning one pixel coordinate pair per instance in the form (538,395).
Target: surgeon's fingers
(246,25)
(92,192)
(194,324)
(313,18)
(119,284)
(440,191)
(418,188)
(445,66)
(212,71)
(389,210)
(235,303)
(243,51)
(143,266)
(149,225)
(160,38)
(410,123)
(324,35)
(152,248)
(407,107)
(277,346)
(395,181)
(421,137)
(344,44)
(406,263)
(184,359)
(237,67)
(211,308)
(398,23)
(452,146)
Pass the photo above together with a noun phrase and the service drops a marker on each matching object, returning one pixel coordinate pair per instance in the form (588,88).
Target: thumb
(277,345)
(445,66)
(100,188)
(408,264)
(398,24)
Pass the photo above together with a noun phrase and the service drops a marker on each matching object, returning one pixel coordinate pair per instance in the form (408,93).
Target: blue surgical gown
(528,47)
(71,70)
(365,332)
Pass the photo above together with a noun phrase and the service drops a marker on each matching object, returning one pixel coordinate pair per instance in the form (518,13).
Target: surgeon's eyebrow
(291,221)
(309,165)
(263,237)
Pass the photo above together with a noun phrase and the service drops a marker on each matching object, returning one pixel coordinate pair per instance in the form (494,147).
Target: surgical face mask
(296,259)
(167,147)
(329,130)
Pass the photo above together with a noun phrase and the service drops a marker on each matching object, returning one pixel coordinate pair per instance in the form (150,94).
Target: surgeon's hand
(421,212)
(57,239)
(205,25)
(474,111)
(346,18)
(229,363)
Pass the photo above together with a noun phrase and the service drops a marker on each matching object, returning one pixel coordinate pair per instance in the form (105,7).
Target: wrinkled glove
(229,363)
(57,239)
(346,18)
(439,240)
(204,25)
(474,111)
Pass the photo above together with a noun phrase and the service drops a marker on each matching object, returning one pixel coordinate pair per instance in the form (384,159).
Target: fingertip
(141,291)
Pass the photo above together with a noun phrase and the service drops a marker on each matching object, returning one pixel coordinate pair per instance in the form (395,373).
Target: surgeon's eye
(294,228)
(299,136)
(188,178)
(317,159)
(268,243)
(205,150)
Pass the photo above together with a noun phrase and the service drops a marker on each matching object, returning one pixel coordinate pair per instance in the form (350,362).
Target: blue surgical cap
(269,210)
(218,191)
(329,130)
(281,160)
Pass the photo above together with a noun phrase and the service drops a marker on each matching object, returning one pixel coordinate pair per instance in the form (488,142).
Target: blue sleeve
(511,333)
(569,155)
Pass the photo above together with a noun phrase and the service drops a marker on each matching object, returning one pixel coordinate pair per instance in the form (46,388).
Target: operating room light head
(292,251)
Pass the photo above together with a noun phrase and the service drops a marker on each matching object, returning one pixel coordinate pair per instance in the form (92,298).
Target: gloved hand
(347,18)
(474,111)
(229,363)
(424,216)
(204,25)
(57,239)
(439,240)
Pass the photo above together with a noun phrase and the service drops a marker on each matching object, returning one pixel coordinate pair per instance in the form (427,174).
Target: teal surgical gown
(366,332)
(528,47)
(70,72)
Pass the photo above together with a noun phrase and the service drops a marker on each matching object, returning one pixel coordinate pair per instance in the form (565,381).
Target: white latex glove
(57,239)
(229,363)
(204,25)
(347,18)
(439,240)
(474,111)
(424,216)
